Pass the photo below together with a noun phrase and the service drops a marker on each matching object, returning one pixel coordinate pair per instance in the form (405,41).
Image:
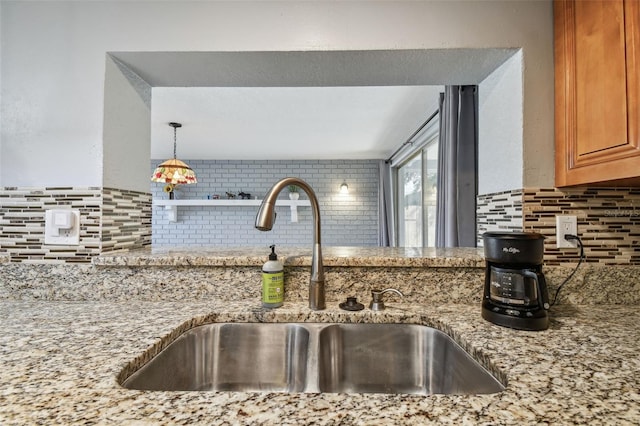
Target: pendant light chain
(175,140)
(175,137)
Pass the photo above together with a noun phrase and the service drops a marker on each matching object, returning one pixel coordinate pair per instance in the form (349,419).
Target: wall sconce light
(174,171)
(344,188)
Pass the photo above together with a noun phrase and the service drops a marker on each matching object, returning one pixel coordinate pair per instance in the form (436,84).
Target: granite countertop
(60,361)
(296,256)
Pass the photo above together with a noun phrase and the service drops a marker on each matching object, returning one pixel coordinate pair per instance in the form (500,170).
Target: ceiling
(288,122)
(299,105)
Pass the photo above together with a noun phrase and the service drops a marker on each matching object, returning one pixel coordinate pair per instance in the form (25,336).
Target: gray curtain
(457,167)
(385,208)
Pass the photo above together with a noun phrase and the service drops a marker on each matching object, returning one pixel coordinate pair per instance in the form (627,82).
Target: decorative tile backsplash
(608,220)
(126,219)
(501,211)
(110,219)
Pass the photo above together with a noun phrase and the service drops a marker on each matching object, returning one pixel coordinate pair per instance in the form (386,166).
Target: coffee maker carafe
(515,290)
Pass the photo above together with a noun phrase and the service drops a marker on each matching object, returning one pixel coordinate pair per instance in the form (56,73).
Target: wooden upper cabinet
(597,88)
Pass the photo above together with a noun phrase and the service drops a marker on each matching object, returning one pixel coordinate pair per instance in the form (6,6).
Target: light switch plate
(62,227)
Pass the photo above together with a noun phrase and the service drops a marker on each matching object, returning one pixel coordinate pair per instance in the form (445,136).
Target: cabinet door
(597,44)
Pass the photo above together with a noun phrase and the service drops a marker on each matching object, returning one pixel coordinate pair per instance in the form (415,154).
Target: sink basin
(397,358)
(230,357)
(312,357)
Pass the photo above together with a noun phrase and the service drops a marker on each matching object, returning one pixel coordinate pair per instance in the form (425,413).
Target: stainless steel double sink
(315,357)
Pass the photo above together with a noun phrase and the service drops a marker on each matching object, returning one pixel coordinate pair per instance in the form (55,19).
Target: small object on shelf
(230,195)
(244,196)
(293,192)
(215,197)
(169,190)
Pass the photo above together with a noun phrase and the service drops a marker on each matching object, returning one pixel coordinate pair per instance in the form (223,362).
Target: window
(410,203)
(416,193)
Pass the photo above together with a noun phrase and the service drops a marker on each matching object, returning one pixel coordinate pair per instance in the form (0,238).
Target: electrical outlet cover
(62,227)
(566,225)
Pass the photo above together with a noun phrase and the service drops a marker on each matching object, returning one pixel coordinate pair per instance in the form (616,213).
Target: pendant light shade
(174,171)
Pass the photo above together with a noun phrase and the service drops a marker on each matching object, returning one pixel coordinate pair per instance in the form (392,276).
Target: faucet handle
(376,302)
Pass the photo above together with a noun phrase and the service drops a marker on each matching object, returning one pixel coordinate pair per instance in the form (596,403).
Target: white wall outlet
(566,225)
(62,227)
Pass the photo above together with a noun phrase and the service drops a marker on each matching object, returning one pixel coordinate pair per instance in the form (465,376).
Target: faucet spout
(266,217)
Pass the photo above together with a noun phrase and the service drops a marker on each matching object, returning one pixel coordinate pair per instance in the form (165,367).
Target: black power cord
(570,237)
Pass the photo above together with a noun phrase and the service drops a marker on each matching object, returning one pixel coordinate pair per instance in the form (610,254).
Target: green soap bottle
(272,281)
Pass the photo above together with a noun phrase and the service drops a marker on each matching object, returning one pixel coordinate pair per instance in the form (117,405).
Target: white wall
(127,129)
(53,62)
(1,184)
(500,135)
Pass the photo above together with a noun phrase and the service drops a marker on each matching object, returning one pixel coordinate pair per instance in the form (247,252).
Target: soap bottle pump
(272,281)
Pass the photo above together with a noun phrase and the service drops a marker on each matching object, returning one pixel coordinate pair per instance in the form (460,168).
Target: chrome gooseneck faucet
(266,217)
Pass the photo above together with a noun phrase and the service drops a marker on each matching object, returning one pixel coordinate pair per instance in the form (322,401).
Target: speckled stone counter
(295,256)
(70,330)
(60,361)
(425,276)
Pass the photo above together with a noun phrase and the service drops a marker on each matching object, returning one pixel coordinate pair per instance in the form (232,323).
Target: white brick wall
(347,220)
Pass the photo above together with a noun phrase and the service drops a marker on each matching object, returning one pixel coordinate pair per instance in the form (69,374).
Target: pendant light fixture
(174,171)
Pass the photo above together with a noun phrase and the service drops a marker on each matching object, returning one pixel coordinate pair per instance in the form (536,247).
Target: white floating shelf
(171,206)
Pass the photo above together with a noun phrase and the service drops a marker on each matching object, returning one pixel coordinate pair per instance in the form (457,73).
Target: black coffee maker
(515,291)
